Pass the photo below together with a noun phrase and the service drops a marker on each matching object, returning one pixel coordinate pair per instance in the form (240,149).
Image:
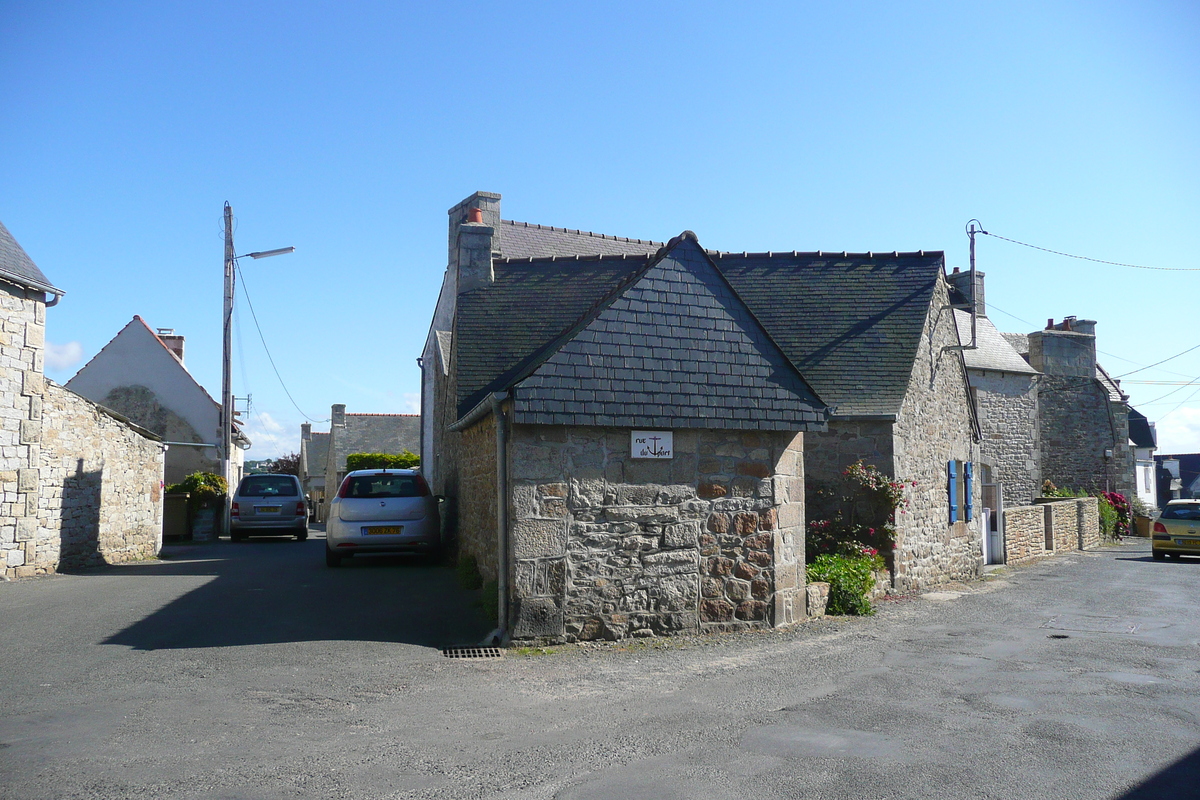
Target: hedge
(405,460)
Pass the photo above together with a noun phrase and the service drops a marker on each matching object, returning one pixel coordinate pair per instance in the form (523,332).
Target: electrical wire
(1165,360)
(1086,258)
(263,339)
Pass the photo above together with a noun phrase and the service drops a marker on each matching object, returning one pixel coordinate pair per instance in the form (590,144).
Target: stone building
(141,374)
(1004,388)
(1083,418)
(533,420)
(362,433)
(82,485)
(314,450)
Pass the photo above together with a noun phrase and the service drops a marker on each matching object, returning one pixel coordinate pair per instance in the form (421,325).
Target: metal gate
(993,527)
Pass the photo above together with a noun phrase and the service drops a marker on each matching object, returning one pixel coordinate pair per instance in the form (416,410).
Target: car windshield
(385,486)
(269,486)
(1188,511)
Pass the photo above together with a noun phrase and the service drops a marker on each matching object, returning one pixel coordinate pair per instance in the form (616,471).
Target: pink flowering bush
(855,515)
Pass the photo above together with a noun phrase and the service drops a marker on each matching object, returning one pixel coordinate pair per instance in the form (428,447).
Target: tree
(287,464)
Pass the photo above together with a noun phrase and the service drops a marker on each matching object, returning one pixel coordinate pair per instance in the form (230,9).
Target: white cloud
(267,422)
(60,357)
(412,403)
(1179,432)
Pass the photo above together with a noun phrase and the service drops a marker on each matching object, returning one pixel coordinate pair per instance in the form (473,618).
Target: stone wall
(101,486)
(606,546)
(934,427)
(1076,430)
(826,455)
(475,504)
(1024,534)
(1008,419)
(1070,524)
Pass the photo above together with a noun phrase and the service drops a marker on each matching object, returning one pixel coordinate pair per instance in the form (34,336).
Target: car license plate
(383,530)
(1187,542)
(267,509)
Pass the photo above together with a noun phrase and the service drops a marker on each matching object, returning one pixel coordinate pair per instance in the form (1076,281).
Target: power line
(1086,258)
(263,339)
(1165,360)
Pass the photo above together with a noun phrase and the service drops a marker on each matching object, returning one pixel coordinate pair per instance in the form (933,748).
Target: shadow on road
(1180,779)
(279,590)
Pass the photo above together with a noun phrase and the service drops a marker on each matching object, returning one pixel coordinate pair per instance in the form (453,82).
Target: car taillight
(422,487)
(1160,528)
(299,509)
(233,510)
(345,489)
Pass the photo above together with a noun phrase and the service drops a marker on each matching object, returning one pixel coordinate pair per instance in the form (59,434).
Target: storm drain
(473,652)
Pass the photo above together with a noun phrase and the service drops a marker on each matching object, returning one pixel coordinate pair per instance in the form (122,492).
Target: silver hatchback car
(268,505)
(382,511)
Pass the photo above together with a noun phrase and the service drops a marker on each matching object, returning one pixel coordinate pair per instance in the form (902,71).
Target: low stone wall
(98,491)
(1033,532)
(606,546)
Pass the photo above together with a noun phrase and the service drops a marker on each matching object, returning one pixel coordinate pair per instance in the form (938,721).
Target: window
(960,476)
(269,486)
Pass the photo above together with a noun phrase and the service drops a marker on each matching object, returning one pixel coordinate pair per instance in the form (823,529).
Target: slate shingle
(15,264)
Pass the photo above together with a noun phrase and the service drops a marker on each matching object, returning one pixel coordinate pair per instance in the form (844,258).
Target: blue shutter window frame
(952,472)
(968,483)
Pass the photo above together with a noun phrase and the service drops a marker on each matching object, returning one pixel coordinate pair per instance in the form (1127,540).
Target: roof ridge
(576,257)
(578,232)
(363,414)
(827,254)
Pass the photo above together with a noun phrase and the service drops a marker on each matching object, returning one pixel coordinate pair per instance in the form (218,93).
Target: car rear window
(269,486)
(1181,512)
(385,486)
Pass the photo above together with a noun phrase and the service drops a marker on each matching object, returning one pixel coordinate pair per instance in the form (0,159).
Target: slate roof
(16,265)
(375,433)
(675,348)
(850,323)
(1140,432)
(526,240)
(993,351)
(316,451)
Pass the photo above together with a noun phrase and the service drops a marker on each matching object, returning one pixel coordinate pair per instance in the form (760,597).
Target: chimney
(173,341)
(1066,349)
(337,414)
(474,238)
(962,282)
(306,431)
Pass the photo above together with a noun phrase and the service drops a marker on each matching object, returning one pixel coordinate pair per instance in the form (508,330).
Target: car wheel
(332,559)
(302,535)
(1158,555)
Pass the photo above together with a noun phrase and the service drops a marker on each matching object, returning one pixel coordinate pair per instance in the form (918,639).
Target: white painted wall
(136,357)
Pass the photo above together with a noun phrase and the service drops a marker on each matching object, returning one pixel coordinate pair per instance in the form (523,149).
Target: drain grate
(473,652)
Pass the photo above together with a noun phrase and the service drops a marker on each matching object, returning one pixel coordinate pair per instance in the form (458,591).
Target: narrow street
(252,671)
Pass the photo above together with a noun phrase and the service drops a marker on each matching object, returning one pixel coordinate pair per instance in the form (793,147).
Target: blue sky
(347,130)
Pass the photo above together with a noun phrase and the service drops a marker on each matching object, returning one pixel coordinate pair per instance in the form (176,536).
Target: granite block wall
(827,454)
(607,546)
(22,333)
(1064,525)
(1076,430)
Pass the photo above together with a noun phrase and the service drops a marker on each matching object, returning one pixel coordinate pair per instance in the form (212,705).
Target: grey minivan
(268,505)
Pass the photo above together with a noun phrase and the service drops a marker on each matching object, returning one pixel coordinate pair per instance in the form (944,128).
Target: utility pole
(227,415)
(227,359)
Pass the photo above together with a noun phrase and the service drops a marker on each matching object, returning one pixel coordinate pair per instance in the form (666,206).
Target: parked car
(268,505)
(1177,530)
(382,511)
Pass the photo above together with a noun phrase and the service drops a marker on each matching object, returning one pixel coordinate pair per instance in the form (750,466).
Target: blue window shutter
(952,470)
(967,485)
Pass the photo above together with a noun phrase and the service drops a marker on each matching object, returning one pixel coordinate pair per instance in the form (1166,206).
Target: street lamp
(226,351)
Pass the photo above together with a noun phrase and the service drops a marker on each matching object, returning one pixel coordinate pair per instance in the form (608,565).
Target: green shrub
(1109,519)
(405,460)
(204,487)
(851,580)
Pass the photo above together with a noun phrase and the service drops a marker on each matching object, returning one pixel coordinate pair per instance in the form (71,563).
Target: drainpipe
(500,635)
(494,404)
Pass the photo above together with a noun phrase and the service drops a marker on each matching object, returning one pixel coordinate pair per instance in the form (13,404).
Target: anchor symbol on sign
(653,450)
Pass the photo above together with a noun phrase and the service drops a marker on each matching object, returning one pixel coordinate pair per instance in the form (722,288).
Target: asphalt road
(253,671)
